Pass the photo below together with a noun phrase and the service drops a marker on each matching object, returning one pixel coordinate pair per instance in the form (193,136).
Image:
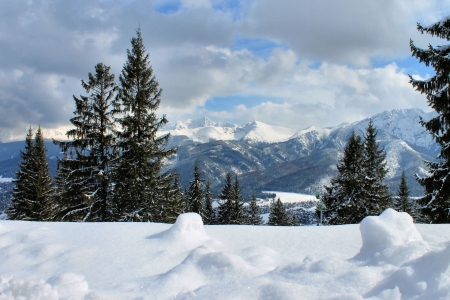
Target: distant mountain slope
(270,157)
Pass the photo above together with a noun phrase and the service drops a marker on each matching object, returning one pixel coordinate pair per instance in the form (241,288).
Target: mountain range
(275,158)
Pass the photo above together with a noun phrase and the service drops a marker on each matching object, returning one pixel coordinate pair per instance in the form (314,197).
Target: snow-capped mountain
(268,157)
(204,130)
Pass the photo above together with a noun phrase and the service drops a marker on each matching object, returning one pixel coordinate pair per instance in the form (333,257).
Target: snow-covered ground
(2,180)
(288,197)
(385,257)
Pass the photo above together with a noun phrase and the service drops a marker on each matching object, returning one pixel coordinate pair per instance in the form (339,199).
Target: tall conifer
(226,196)
(139,189)
(436,202)
(375,193)
(196,194)
(343,198)
(255,217)
(401,202)
(84,184)
(210,216)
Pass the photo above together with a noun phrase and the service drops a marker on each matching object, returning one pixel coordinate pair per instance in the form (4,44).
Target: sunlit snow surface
(385,257)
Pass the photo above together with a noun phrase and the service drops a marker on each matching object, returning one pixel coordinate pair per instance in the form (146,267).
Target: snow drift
(384,257)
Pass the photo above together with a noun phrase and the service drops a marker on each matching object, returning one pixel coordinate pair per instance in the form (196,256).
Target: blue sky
(293,63)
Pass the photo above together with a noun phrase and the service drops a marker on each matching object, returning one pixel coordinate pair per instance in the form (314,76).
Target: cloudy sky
(293,63)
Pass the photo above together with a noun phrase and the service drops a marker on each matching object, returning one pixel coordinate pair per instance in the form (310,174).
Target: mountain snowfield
(384,257)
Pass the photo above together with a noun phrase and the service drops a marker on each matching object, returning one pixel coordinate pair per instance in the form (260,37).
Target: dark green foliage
(33,191)
(226,202)
(375,193)
(342,198)
(255,217)
(278,215)
(358,189)
(436,202)
(140,188)
(210,216)
(402,202)
(173,205)
(84,181)
(196,194)
(239,214)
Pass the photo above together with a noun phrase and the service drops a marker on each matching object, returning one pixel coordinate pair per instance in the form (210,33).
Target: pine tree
(375,194)
(436,202)
(343,198)
(196,194)
(20,207)
(33,191)
(84,174)
(278,215)
(139,185)
(174,203)
(401,202)
(210,216)
(255,217)
(239,214)
(226,196)
(42,180)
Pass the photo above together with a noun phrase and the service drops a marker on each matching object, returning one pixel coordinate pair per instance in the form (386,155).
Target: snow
(384,257)
(288,197)
(3,180)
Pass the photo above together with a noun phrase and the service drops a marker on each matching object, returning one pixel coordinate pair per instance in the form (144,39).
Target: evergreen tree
(226,196)
(139,184)
(436,202)
(196,194)
(401,202)
(33,191)
(210,216)
(278,215)
(239,214)
(174,203)
(22,195)
(343,197)
(84,174)
(375,194)
(42,181)
(255,217)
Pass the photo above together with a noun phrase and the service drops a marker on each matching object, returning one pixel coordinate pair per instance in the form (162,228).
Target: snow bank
(187,232)
(391,238)
(64,286)
(384,257)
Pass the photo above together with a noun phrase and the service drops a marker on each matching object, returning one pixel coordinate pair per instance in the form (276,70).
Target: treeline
(111,167)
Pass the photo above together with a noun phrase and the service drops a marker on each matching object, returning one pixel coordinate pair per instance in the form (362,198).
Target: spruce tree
(210,216)
(343,197)
(255,217)
(84,182)
(436,202)
(226,197)
(401,202)
(33,191)
(139,185)
(375,194)
(278,215)
(196,194)
(239,213)
(22,195)
(42,180)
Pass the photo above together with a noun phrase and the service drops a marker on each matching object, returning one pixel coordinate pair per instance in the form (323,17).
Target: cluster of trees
(111,169)
(231,208)
(358,189)
(108,172)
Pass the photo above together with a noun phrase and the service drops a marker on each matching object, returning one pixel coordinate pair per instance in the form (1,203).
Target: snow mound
(390,238)
(427,277)
(187,232)
(64,286)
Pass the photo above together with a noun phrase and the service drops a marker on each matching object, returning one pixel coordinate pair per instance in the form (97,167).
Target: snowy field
(2,180)
(385,257)
(288,197)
